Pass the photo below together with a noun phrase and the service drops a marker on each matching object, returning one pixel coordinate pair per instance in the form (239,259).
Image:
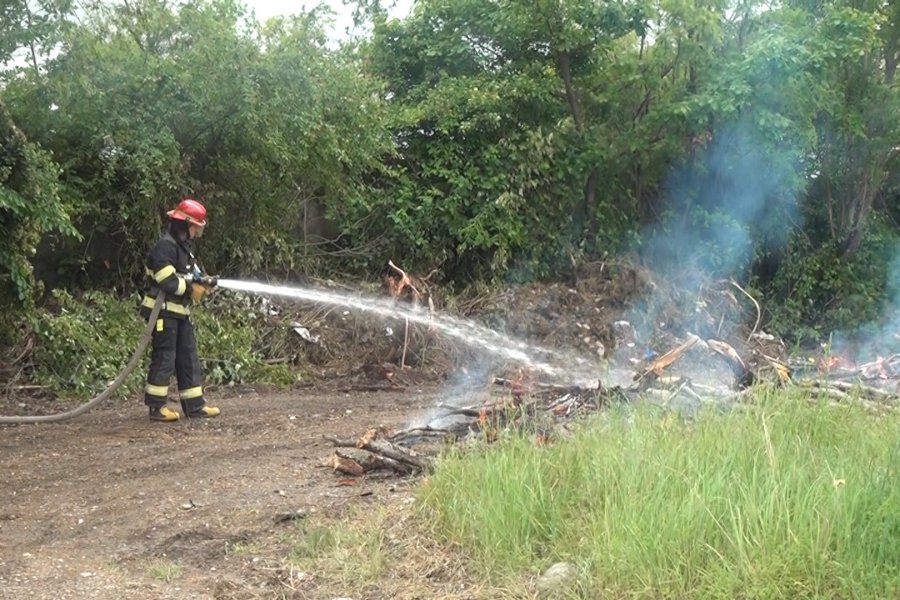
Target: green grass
(350,552)
(783,499)
(166,571)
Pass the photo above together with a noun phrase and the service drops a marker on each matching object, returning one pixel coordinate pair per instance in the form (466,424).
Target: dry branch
(402,286)
(367,462)
(755,303)
(473,410)
(372,387)
(385,449)
(743,376)
(427,431)
(657,366)
(346,465)
(518,387)
(781,369)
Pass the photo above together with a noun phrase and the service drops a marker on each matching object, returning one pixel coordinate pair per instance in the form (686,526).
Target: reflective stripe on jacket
(168,265)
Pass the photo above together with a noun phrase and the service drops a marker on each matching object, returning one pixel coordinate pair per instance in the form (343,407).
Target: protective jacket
(170,266)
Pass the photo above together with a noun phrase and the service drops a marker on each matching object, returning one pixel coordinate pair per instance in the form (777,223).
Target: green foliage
(496,140)
(30,207)
(819,291)
(83,344)
(150,101)
(780,500)
(34,25)
(493,160)
(227,336)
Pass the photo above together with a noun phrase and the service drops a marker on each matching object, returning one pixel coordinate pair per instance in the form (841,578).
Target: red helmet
(189,210)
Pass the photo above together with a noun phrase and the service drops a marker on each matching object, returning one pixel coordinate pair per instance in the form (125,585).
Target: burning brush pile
(535,408)
(545,411)
(692,372)
(524,405)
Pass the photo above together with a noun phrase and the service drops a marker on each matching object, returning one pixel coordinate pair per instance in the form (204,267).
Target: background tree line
(497,140)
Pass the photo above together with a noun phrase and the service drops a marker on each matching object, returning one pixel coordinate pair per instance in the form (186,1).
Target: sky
(265,9)
(343,18)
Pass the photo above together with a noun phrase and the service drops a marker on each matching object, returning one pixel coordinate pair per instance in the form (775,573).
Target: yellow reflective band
(157,390)
(172,307)
(194,392)
(182,286)
(177,309)
(159,324)
(164,273)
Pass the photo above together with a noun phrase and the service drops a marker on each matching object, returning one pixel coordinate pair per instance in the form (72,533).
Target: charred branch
(385,449)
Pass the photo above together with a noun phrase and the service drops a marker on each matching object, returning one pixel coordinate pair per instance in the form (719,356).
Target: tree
(500,117)
(30,203)
(154,100)
(857,108)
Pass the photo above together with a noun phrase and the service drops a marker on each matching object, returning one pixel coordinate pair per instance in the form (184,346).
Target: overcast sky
(343,14)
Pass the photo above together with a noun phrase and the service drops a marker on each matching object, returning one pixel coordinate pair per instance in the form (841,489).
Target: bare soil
(113,506)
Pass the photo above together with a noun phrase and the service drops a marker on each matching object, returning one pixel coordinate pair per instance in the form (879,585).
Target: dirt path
(105,506)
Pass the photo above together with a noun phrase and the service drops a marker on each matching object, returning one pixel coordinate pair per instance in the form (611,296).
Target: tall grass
(784,499)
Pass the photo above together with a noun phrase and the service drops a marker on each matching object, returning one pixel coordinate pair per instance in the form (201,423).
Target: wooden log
(370,441)
(346,465)
(372,462)
(384,448)
(657,366)
(743,376)
(848,388)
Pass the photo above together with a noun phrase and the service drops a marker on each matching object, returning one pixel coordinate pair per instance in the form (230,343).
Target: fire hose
(105,394)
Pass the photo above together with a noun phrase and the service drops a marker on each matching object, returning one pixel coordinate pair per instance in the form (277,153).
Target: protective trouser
(174,352)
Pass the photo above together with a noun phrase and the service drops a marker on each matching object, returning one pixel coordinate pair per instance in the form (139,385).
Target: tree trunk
(564,64)
(586,213)
(859,212)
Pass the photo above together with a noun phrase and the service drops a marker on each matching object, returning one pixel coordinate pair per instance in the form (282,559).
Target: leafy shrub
(818,290)
(83,343)
(227,329)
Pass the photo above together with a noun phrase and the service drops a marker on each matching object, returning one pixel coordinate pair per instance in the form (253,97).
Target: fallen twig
(657,366)
(755,303)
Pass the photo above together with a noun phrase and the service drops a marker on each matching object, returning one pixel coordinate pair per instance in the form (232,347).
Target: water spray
(550,362)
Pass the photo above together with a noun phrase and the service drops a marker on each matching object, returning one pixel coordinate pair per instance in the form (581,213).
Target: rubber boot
(164,414)
(201,411)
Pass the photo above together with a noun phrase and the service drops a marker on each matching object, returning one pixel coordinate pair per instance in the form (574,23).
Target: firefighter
(172,268)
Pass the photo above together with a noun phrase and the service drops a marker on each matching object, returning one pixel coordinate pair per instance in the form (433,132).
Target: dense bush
(818,291)
(495,141)
(84,342)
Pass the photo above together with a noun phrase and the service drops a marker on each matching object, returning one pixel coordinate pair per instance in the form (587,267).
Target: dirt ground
(113,506)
